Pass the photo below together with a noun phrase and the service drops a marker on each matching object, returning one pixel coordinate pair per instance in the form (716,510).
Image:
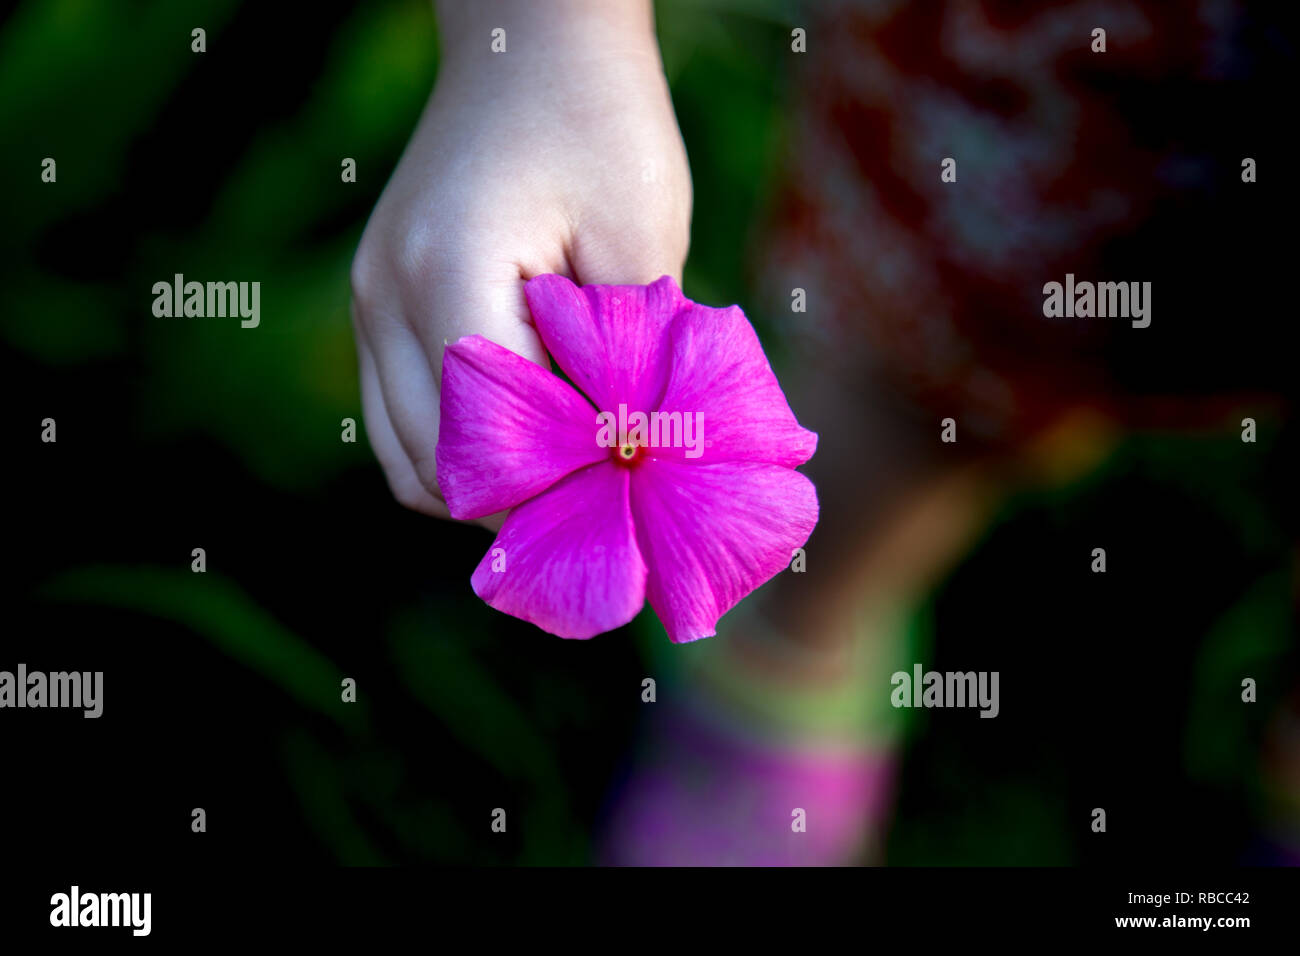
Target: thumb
(627,256)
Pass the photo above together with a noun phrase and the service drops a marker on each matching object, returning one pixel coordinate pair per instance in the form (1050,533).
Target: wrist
(525,35)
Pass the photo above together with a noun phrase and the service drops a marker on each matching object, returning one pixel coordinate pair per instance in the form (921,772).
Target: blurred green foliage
(226,165)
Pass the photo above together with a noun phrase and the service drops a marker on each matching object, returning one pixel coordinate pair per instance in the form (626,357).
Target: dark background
(222,689)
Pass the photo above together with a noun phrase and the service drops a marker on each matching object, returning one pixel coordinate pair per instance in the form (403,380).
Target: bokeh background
(222,689)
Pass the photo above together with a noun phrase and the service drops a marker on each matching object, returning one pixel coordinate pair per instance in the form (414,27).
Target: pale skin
(561,154)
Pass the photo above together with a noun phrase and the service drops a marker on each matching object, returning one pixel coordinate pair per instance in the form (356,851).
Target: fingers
(489,302)
(401,338)
(403,479)
(400,360)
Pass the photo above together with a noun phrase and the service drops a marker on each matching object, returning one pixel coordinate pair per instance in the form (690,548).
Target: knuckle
(384,268)
(364,280)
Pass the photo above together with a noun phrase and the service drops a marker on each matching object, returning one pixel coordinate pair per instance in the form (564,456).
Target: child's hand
(561,154)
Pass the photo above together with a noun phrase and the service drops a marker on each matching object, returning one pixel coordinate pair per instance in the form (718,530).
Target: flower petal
(509,430)
(569,558)
(711,533)
(611,340)
(721,376)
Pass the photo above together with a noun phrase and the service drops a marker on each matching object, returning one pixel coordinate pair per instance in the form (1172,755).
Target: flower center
(628,453)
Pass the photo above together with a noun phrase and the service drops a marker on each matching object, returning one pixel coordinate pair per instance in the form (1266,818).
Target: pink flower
(599,526)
